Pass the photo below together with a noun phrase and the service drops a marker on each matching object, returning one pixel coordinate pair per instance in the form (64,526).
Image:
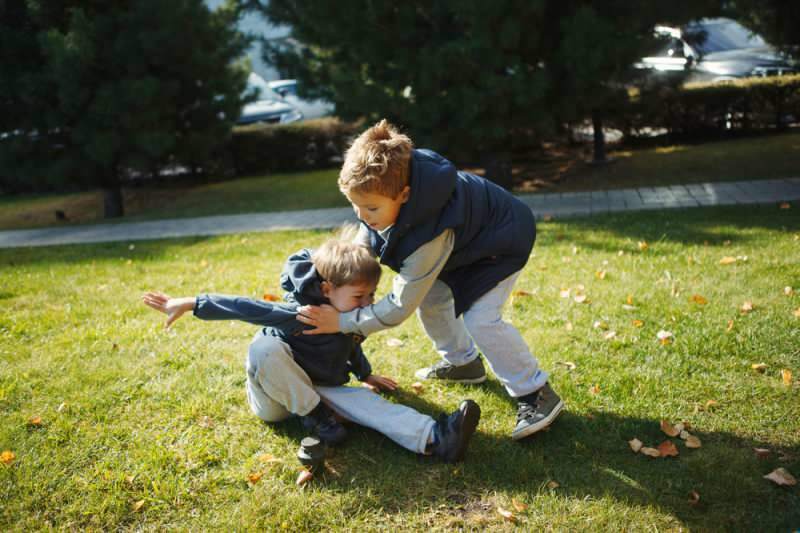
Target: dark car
(711,50)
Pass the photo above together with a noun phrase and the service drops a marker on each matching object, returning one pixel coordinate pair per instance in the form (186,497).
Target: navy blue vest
(494,231)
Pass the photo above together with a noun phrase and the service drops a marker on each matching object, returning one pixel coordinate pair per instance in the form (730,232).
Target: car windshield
(256,83)
(719,35)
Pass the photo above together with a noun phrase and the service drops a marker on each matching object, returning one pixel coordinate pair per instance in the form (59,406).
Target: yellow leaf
(668,449)
(788,291)
(518,505)
(730,325)
(594,389)
(417,387)
(267,458)
(629,300)
(711,404)
(643,245)
(692,442)
(781,476)
(610,335)
(635,445)
(650,452)
(746,307)
(523,293)
(35,421)
(7,457)
(759,367)
(601,274)
(727,260)
(669,429)
(699,300)
(271,297)
(203,263)
(599,324)
(637,323)
(137,506)
(796,312)
(505,513)
(255,477)
(786,376)
(569,326)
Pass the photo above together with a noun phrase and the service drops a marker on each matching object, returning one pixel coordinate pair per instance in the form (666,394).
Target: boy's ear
(326,288)
(405,194)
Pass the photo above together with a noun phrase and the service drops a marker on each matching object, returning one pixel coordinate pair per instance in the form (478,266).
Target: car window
(719,36)
(257,84)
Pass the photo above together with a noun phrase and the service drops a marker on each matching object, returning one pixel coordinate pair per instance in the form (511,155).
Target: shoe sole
(470,381)
(543,423)
(472,415)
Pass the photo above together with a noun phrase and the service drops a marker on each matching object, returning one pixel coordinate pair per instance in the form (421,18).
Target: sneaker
(536,411)
(472,372)
(321,422)
(451,434)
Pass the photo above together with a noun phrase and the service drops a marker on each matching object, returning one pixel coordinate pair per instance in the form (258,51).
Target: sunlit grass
(149,429)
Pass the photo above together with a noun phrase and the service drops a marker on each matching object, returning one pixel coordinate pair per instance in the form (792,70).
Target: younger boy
(458,243)
(289,373)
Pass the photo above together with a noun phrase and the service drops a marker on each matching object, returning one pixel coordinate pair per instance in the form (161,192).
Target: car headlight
(291,116)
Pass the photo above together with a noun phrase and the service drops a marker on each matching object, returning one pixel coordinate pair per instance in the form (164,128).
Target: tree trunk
(112,202)
(497,168)
(599,139)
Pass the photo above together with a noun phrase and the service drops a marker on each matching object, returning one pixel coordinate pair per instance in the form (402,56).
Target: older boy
(289,373)
(458,243)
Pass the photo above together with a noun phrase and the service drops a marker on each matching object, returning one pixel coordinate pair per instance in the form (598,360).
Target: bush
(747,104)
(312,144)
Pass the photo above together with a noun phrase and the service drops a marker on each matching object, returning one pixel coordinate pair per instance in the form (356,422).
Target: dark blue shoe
(452,433)
(320,421)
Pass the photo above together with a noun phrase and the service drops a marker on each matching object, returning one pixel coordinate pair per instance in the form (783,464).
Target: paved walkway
(556,205)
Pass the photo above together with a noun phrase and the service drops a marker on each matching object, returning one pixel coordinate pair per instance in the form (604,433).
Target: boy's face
(348,297)
(377,211)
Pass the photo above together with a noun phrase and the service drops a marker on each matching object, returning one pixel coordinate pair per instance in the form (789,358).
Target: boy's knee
(263,353)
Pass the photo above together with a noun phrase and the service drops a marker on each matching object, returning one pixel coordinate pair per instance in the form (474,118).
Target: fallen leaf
(762,453)
(599,324)
(628,307)
(684,434)
(129,479)
(635,445)
(267,458)
(594,389)
(269,297)
(505,513)
(680,426)
(699,300)
(693,442)
(788,291)
(61,407)
(523,293)
(665,337)
(629,300)
(694,498)
(668,449)
(255,477)
(759,367)
(206,422)
(643,245)
(650,452)
(669,429)
(569,326)
(730,326)
(600,274)
(781,476)
(610,335)
(637,323)
(569,364)
(564,293)
(303,477)
(785,205)
(137,506)
(786,376)
(417,387)
(553,484)
(7,457)
(394,343)
(518,505)
(580,298)
(711,404)
(727,260)
(796,312)
(746,307)
(35,421)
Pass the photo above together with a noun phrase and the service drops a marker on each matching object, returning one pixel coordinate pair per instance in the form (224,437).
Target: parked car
(309,108)
(712,50)
(269,106)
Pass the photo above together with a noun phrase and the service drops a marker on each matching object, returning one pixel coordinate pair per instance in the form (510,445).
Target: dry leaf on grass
(781,476)
(668,449)
(762,453)
(629,300)
(522,293)
(796,312)
(746,307)
(727,260)
(506,514)
(269,297)
(788,291)
(643,245)
(394,343)
(594,389)
(564,293)
(254,477)
(518,505)
(7,457)
(694,498)
(699,300)
(684,434)
(637,323)
(635,445)
(680,426)
(759,367)
(610,335)
(569,364)
(730,326)
(268,458)
(669,429)
(664,337)
(786,376)
(693,442)
(600,274)
(599,324)
(650,452)
(303,477)
(553,484)
(711,405)
(581,298)
(35,421)
(417,387)
(137,506)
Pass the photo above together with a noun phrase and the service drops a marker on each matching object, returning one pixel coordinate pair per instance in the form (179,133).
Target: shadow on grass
(590,459)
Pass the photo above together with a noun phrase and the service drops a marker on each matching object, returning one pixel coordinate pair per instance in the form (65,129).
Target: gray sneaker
(472,372)
(536,411)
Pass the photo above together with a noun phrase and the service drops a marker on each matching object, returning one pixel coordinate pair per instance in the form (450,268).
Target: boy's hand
(324,317)
(377,383)
(174,308)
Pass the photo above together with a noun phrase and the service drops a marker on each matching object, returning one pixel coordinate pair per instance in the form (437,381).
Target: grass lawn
(143,428)
(762,157)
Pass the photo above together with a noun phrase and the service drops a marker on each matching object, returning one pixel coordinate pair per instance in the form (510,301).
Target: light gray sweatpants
(455,338)
(277,388)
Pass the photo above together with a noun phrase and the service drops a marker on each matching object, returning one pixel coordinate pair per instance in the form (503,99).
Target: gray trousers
(277,388)
(455,338)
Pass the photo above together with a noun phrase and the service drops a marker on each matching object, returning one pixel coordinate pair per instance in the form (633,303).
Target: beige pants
(277,388)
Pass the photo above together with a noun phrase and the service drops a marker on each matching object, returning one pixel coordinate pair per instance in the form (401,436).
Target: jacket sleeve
(225,307)
(358,363)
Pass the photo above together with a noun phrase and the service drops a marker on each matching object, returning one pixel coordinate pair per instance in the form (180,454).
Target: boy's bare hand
(377,383)
(174,308)
(324,317)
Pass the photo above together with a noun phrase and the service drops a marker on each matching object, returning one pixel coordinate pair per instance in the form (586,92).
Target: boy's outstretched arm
(174,308)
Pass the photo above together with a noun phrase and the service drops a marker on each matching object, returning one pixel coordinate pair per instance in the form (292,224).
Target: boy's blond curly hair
(377,162)
(341,262)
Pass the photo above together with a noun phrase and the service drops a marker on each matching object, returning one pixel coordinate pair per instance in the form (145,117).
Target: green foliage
(778,21)
(123,87)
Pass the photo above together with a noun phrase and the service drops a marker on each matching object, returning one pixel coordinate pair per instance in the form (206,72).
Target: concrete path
(556,205)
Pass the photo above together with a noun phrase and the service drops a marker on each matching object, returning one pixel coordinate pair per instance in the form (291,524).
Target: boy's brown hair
(377,162)
(342,262)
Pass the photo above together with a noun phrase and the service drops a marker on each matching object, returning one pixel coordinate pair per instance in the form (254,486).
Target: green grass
(762,157)
(132,413)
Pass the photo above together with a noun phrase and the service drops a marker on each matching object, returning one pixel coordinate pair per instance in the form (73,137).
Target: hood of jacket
(301,281)
(432,182)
